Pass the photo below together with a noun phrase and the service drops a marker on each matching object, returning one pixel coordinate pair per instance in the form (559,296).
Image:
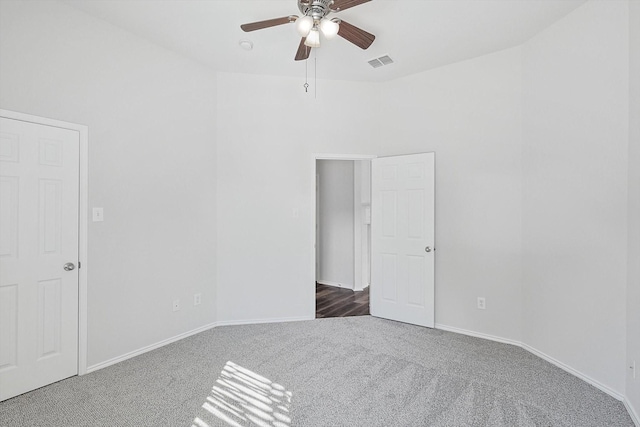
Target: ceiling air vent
(380,62)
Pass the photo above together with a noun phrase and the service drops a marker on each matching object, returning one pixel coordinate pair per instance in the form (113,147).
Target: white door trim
(311,298)
(83,205)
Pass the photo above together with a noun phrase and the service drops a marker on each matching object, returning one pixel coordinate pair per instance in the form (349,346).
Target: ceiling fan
(314,21)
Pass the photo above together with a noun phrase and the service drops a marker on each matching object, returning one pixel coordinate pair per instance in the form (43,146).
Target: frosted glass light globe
(329,28)
(313,39)
(304,25)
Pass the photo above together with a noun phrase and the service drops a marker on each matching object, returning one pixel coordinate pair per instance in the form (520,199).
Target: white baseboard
(366,285)
(162,343)
(477,334)
(342,285)
(149,348)
(334,284)
(569,369)
(259,321)
(538,353)
(632,412)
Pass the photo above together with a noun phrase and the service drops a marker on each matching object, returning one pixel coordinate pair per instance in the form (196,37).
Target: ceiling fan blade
(303,51)
(268,23)
(355,35)
(339,5)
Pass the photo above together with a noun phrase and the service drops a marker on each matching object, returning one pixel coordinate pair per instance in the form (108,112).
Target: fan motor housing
(317,9)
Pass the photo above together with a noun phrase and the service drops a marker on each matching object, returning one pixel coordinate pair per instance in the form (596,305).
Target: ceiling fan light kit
(307,24)
(313,38)
(329,27)
(314,21)
(304,25)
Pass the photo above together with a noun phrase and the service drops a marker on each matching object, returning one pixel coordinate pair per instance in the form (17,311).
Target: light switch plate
(98,214)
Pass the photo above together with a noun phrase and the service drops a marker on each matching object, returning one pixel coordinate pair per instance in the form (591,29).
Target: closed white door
(402,238)
(39,189)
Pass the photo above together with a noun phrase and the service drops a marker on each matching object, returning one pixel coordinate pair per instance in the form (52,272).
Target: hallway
(336,302)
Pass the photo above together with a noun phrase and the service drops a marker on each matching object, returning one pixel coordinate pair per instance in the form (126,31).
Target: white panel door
(402,238)
(39,180)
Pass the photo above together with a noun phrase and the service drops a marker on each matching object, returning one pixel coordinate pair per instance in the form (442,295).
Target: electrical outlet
(197,299)
(633,369)
(176,304)
(481,303)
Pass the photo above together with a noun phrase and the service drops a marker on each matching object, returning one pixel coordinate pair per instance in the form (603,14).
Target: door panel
(402,226)
(39,176)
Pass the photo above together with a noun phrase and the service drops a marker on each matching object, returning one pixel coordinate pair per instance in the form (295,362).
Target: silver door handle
(69,266)
(428,249)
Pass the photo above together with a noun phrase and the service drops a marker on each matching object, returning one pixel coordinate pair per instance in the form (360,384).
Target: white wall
(469,114)
(576,106)
(151,119)
(268,130)
(633,279)
(335,246)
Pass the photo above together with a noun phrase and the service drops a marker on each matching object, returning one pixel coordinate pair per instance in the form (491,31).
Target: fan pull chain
(315,76)
(306,76)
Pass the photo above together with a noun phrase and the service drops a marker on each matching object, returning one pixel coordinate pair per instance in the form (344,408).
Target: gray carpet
(357,371)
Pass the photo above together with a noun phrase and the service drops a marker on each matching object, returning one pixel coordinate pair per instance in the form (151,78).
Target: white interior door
(402,238)
(39,189)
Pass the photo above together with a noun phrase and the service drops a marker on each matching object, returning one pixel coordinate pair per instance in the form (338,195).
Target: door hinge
(79,264)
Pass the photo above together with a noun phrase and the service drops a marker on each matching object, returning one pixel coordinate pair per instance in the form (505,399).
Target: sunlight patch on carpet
(242,398)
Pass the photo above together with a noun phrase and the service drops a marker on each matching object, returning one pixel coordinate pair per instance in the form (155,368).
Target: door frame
(83,209)
(314,158)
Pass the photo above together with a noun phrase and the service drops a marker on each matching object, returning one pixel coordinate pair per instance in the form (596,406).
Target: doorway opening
(401,218)
(343,237)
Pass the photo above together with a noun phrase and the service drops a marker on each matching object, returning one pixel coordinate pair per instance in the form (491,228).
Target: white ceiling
(417,34)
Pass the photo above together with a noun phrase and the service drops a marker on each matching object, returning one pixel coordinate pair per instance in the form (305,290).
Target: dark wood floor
(336,302)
